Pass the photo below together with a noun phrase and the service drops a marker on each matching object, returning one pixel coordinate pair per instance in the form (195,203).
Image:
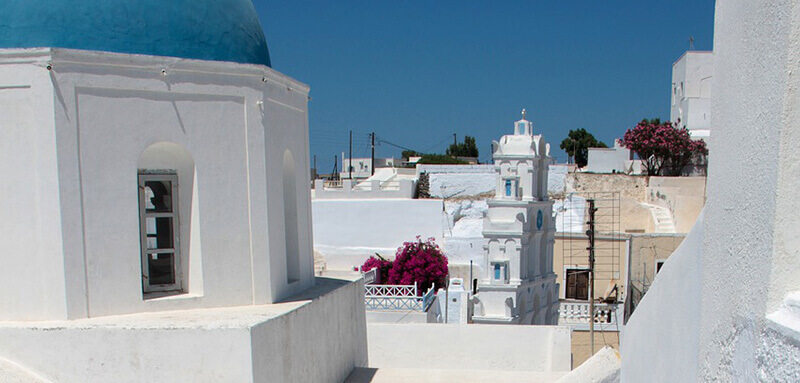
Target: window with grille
(159,231)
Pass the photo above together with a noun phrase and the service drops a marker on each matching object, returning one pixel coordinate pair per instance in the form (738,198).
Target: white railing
(332,184)
(370,276)
(428,298)
(396,297)
(576,315)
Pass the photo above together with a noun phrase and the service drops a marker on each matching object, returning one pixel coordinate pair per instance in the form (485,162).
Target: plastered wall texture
(469,347)
(347,232)
(749,261)
(258,344)
(76,133)
(662,332)
(752,200)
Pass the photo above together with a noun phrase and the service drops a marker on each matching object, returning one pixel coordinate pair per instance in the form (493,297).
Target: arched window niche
(290,223)
(169,214)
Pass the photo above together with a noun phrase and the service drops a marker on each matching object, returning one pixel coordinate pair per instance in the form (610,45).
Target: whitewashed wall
(749,261)
(319,336)
(663,331)
(692,80)
(73,142)
(609,160)
(347,232)
(469,347)
(449,181)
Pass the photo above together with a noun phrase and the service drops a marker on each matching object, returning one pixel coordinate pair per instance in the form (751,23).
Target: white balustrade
(370,276)
(576,315)
(396,297)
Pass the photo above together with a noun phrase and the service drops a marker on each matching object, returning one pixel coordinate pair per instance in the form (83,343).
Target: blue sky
(415,72)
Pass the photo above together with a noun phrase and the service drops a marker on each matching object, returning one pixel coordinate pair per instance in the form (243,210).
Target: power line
(380,140)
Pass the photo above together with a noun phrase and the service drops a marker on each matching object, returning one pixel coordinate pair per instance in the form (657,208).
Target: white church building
(518,285)
(155,221)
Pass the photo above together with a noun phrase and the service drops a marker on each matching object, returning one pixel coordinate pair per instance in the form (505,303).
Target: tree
(663,148)
(468,148)
(577,145)
(410,153)
(438,159)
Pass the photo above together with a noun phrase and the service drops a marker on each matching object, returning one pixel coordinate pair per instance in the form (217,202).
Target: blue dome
(219,30)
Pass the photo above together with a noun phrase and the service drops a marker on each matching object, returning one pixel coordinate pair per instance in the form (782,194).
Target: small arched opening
(169,220)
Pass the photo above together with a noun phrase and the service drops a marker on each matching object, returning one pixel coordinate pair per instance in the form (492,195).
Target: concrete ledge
(394,375)
(469,347)
(318,335)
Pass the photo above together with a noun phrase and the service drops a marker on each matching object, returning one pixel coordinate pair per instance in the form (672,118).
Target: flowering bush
(382,264)
(421,261)
(663,148)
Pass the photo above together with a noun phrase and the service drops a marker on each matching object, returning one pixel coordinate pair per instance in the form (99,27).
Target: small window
(509,188)
(577,284)
(160,247)
(500,269)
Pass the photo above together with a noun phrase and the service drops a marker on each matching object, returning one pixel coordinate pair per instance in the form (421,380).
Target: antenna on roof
(691,43)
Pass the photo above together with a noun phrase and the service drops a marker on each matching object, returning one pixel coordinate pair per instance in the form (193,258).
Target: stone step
(662,218)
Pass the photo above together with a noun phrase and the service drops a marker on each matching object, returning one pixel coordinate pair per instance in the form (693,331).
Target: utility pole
(350,165)
(590,233)
(335,174)
(691,43)
(315,167)
(455,140)
(372,161)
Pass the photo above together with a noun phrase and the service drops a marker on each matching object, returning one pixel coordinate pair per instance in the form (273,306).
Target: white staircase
(662,217)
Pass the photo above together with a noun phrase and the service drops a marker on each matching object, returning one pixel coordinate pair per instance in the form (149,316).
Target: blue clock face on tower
(539,220)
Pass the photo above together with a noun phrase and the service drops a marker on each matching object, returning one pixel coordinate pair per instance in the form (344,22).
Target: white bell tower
(518,284)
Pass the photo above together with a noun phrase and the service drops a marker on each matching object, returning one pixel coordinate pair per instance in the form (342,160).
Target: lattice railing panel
(395,297)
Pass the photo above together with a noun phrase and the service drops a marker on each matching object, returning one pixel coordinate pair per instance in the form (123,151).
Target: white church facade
(518,285)
(156,211)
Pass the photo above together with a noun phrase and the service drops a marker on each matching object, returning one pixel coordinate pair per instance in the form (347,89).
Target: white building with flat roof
(618,159)
(364,168)
(692,89)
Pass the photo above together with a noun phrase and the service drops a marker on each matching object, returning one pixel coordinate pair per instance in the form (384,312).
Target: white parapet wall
(470,347)
(285,342)
(347,232)
(367,189)
(451,181)
(673,303)
(459,181)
